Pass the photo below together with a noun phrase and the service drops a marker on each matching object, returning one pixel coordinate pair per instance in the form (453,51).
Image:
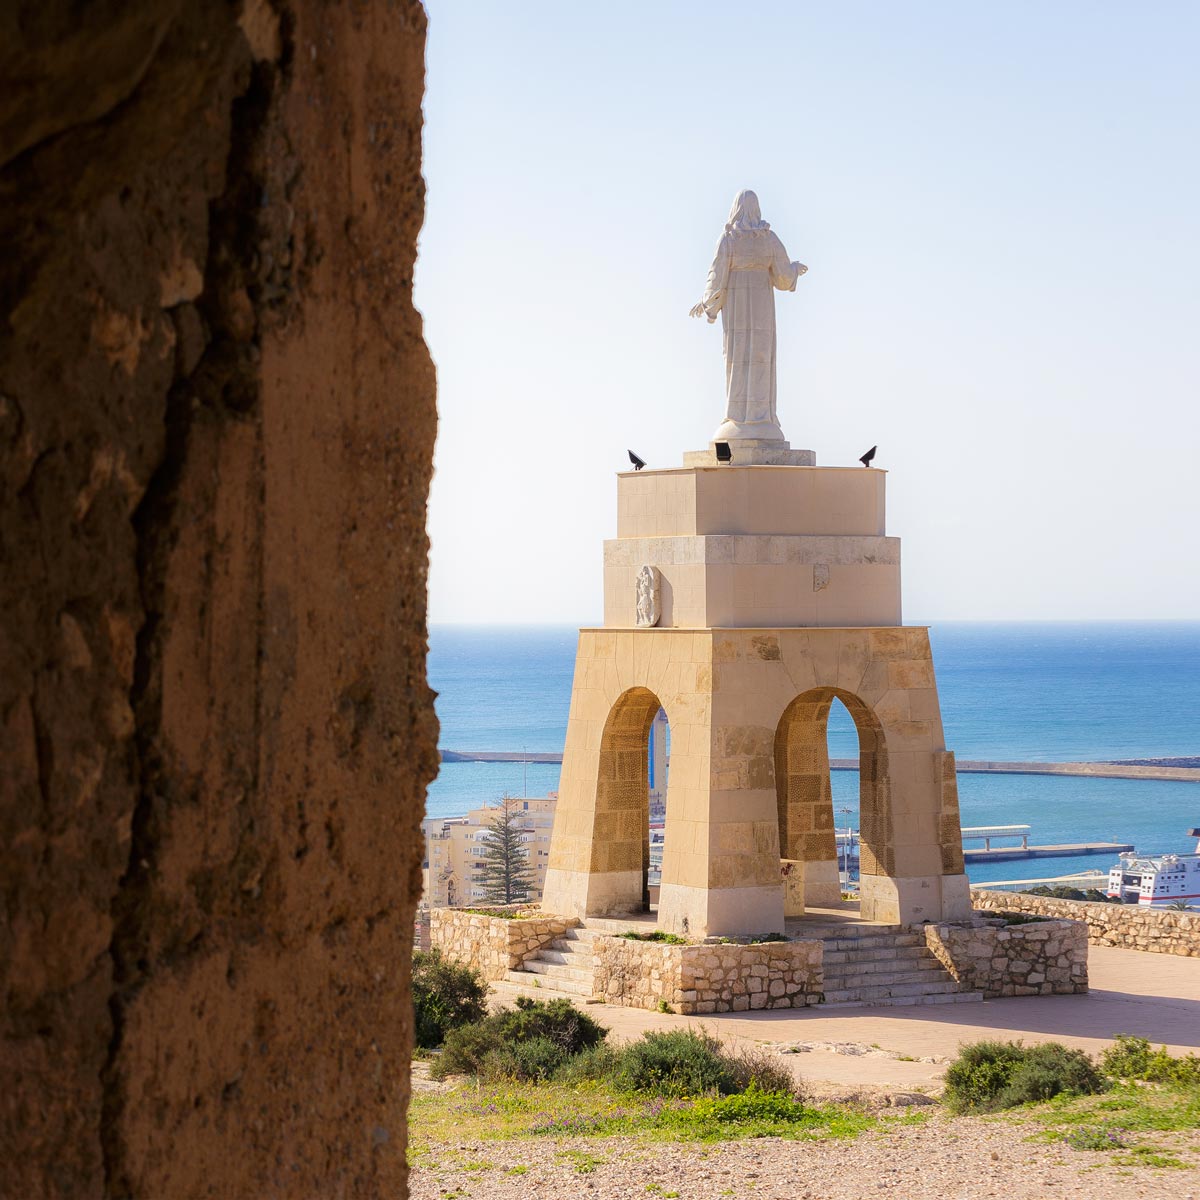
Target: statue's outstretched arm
(784,272)
(714,289)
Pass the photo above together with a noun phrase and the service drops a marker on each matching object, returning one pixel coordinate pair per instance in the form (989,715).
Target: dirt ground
(893,1061)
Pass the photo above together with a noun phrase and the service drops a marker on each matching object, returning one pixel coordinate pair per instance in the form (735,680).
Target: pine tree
(506,875)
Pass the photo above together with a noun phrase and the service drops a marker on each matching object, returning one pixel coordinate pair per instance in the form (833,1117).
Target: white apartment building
(455,851)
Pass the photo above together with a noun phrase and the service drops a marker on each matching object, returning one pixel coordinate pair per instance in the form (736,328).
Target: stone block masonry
(707,978)
(1042,958)
(1127,926)
(493,944)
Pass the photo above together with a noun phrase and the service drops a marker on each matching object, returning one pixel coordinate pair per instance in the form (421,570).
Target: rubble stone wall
(1129,926)
(493,945)
(1042,958)
(708,978)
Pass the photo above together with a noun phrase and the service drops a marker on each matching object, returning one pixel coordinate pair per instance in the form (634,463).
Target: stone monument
(743,597)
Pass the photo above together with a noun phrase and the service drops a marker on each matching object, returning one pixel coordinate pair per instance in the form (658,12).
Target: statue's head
(745,216)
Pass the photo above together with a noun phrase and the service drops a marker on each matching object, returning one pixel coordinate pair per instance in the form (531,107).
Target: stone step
(825,933)
(550,984)
(538,966)
(580,934)
(881,966)
(879,954)
(574,953)
(617,924)
(927,973)
(893,941)
(897,1001)
(886,991)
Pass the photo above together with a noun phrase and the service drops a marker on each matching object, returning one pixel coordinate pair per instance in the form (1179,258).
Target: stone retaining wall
(493,945)
(1158,930)
(707,978)
(1042,958)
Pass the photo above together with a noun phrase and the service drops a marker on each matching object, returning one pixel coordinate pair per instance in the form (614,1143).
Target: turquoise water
(1041,692)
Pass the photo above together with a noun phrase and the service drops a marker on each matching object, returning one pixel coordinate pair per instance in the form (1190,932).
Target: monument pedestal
(751,452)
(778,592)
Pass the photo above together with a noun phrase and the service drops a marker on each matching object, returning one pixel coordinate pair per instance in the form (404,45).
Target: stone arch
(804,795)
(621,838)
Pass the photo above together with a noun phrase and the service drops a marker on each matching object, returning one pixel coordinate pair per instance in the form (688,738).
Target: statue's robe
(746,268)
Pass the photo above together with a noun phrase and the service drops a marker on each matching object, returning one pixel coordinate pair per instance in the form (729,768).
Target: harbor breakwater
(1096,770)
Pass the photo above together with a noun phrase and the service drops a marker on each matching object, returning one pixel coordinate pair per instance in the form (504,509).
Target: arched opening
(805,797)
(630,757)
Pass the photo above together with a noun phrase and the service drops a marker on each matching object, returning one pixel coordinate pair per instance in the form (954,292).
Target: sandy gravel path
(944,1159)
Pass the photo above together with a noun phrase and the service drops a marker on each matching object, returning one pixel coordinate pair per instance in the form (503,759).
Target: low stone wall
(1042,958)
(493,945)
(1158,930)
(707,978)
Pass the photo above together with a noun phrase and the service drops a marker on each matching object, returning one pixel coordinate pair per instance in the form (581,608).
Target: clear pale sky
(999,208)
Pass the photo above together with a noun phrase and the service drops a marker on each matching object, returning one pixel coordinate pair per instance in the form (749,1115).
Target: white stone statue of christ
(750,263)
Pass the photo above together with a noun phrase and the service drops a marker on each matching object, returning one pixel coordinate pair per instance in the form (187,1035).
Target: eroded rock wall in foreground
(216,429)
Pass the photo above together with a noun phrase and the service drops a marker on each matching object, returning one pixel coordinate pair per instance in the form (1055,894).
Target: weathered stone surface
(698,979)
(216,424)
(1047,958)
(1157,930)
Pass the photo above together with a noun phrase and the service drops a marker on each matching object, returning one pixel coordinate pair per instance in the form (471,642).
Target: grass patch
(503,914)
(1117,1123)
(1149,1156)
(655,935)
(519,1110)
(583,1162)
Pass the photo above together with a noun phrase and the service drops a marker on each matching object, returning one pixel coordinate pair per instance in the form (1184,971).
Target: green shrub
(466,1049)
(979,1073)
(445,995)
(675,1064)
(589,1066)
(530,1062)
(1050,1070)
(989,1076)
(557,1022)
(1134,1058)
(758,1067)
(753,1104)
(1017,918)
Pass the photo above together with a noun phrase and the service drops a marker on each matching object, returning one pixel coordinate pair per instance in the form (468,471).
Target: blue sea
(1052,692)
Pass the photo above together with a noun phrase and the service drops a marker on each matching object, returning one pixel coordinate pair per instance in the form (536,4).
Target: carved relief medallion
(649,591)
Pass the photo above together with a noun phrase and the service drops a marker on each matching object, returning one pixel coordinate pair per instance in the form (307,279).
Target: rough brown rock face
(216,430)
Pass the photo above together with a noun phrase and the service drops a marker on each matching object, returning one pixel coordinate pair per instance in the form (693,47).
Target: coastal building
(455,851)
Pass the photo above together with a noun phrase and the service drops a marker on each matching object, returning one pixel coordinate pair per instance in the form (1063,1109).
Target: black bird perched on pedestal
(866,458)
(638,463)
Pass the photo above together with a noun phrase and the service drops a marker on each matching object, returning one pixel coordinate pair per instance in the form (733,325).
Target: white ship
(1157,882)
